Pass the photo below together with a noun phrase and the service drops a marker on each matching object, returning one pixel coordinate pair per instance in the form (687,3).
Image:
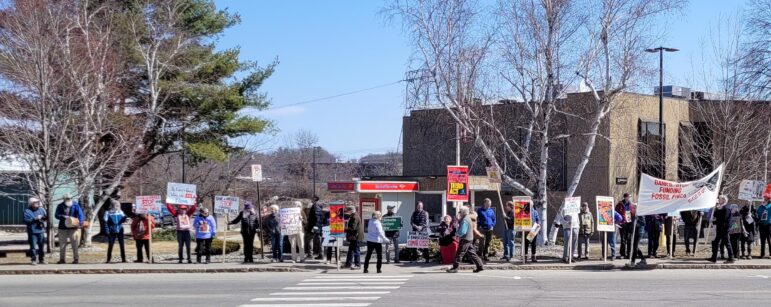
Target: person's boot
(532,259)
(478,269)
(454,269)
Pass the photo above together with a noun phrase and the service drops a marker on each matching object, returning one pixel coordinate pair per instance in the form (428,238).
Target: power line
(334,96)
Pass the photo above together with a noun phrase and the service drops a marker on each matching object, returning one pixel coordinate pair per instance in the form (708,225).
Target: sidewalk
(404,267)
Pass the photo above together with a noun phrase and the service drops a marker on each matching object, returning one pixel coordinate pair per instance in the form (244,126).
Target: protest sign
(493,174)
(417,239)
(605,214)
(291,221)
(751,190)
(226,205)
(256,172)
(572,208)
(767,192)
(657,196)
(148,204)
(392,223)
(327,239)
(457,183)
(337,220)
(181,194)
(523,208)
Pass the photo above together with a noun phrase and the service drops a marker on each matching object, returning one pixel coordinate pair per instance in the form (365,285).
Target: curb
(147,271)
(611,267)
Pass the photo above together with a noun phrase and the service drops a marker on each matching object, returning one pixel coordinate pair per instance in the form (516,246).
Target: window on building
(650,157)
(558,165)
(695,151)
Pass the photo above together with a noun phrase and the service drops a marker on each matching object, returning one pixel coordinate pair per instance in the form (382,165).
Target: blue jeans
(508,243)
(277,246)
(612,244)
(37,243)
(354,254)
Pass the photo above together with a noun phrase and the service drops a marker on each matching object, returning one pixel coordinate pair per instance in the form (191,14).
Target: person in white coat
(375,239)
(296,241)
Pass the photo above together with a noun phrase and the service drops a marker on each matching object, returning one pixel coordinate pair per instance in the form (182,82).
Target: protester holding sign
(419,220)
(140,230)
(313,229)
(250,225)
(205,230)
(393,236)
(70,218)
(375,239)
(530,243)
(722,224)
(624,208)
(637,234)
(182,220)
(585,230)
(570,225)
(735,228)
(292,220)
(114,218)
(272,226)
(508,232)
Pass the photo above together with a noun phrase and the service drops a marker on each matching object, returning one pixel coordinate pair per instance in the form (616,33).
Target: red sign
(457,183)
(341,186)
(767,192)
(388,186)
(336,220)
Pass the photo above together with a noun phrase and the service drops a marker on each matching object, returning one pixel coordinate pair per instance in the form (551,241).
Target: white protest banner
(417,239)
(572,208)
(751,190)
(257,172)
(148,204)
(658,196)
(226,205)
(181,194)
(291,221)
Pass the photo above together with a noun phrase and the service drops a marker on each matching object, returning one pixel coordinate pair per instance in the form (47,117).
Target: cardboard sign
(572,208)
(392,223)
(658,196)
(605,214)
(493,174)
(181,194)
(226,205)
(523,213)
(337,220)
(457,183)
(751,190)
(291,221)
(417,239)
(151,204)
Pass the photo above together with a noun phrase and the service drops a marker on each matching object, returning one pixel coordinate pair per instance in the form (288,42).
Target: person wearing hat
(393,237)
(70,218)
(35,217)
(114,219)
(182,219)
(250,224)
(313,229)
(205,231)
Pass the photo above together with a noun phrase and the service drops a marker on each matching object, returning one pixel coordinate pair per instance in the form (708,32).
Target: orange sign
(336,220)
(767,192)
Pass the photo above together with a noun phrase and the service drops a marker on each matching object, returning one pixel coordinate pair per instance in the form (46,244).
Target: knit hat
(248,205)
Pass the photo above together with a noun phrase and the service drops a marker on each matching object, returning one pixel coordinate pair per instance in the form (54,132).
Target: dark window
(558,165)
(649,152)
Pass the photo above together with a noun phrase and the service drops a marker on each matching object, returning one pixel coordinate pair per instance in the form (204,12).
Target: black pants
(653,242)
(374,247)
(248,246)
(183,240)
(312,243)
(635,248)
(484,243)
(765,237)
(143,244)
(466,247)
(735,243)
(203,248)
(328,250)
(747,244)
(690,235)
(724,239)
(531,245)
(626,236)
(111,241)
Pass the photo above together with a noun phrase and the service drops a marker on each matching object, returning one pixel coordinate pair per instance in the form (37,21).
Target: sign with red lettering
(148,204)
(605,213)
(181,194)
(387,186)
(657,196)
(457,183)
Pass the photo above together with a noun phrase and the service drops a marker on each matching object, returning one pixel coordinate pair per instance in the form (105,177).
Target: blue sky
(331,47)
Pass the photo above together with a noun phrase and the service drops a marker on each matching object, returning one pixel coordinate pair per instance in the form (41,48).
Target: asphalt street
(404,288)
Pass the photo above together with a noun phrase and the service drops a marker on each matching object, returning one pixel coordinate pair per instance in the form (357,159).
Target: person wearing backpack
(182,221)
(585,230)
(140,230)
(70,218)
(205,231)
(114,218)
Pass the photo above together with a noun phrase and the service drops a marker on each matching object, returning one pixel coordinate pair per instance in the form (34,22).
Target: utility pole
(662,136)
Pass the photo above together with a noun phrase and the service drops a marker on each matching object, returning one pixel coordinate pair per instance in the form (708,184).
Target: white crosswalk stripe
(342,290)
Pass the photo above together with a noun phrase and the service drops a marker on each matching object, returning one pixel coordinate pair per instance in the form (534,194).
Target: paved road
(418,288)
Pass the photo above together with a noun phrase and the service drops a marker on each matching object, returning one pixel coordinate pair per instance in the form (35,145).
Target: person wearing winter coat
(182,221)
(486,223)
(508,232)
(655,223)
(722,229)
(114,218)
(272,223)
(466,246)
(448,242)
(205,231)
(393,237)
(585,231)
(419,222)
(748,237)
(637,234)
(375,239)
(313,229)
(69,235)
(141,229)
(735,228)
(354,233)
(569,237)
(35,217)
(250,225)
(624,208)
(691,221)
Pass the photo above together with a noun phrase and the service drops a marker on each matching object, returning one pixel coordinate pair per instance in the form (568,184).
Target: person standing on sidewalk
(375,239)
(624,208)
(313,229)
(748,237)
(508,232)
(140,230)
(764,225)
(272,226)
(569,237)
(638,232)
(612,237)
(722,224)
(69,212)
(35,217)
(183,222)
(205,231)
(670,231)
(531,244)
(250,224)
(735,228)
(419,221)
(354,233)
(393,237)
(114,218)
(585,231)
(486,223)
(655,223)
(690,220)
(466,243)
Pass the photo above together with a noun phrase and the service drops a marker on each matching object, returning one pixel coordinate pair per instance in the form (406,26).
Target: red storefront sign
(341,186)
(457,183)
(387,186)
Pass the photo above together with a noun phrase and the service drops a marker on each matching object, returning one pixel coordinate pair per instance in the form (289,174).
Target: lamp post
(662,136)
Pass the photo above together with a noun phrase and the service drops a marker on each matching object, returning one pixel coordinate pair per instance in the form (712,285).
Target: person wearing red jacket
(141,227)
(623,208)
(183,223)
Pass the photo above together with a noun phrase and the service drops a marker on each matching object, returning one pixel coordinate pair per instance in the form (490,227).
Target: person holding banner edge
(250,225)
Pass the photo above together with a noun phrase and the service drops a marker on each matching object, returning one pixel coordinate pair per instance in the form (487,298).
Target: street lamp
(661,50)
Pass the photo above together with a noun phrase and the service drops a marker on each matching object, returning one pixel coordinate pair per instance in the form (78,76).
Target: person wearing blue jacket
(205,230)
(764,225)
(35,218)
(64,211)
(486,224)
(114,219)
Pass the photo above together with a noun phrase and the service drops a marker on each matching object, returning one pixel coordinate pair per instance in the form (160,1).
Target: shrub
(216,247)
(164,234)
